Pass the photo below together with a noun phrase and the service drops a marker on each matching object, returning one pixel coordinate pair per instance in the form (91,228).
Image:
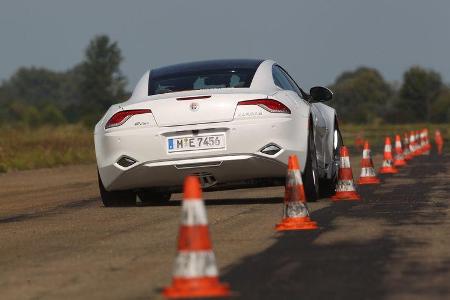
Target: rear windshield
(211,79)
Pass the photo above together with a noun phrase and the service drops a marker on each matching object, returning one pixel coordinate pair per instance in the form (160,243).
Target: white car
(233,123)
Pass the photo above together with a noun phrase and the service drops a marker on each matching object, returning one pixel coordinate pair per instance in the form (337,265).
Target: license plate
(193,143)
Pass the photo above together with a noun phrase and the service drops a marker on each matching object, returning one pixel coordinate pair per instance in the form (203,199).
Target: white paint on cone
(345,162)
(295,209)
(387,163)
(399,156)
(294,178)
(189,264)
(193,212)
(367,172)
(345,186)
(366,153)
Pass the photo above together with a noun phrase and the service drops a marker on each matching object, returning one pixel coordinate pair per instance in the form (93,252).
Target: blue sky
(315,40)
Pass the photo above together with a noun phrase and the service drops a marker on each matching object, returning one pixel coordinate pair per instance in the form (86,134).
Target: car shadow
(218,202)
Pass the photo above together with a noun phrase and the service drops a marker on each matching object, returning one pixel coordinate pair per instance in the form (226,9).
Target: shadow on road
(52,211)
(297,268)
(223,201)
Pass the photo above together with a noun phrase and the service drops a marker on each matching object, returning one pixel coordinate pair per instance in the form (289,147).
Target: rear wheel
(328,185)
(310,175)
(115,198)
(152,197)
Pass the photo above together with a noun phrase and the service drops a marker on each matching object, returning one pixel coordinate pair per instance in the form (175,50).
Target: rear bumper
(222,169)
(240,161)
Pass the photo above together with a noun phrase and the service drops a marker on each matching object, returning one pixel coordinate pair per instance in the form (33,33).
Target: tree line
(37,96)
(363,96)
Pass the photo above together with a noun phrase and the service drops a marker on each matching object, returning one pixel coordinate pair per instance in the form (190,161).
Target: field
(24,148)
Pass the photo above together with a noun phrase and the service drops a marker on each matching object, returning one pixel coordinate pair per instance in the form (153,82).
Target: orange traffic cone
(439,141)
(295,210)
(412,144)
(399,159)
(387,167)
(424,142)
(406,151)
(345,187)
(195,271)
(368,175)
(418,143)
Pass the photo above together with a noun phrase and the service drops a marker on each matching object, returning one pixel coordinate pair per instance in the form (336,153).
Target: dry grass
(26,148)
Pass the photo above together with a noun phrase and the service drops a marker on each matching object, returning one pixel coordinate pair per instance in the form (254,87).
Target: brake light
(121,117)
(270,105)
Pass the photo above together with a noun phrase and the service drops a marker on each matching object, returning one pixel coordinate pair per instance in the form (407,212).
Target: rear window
(211,79)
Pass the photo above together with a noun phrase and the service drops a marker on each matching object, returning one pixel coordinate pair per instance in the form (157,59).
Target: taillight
(121,117)
(270,105)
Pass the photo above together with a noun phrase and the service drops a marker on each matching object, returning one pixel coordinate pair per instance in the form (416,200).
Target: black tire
(154,197)
(310,176)
(115,198)
(328,185)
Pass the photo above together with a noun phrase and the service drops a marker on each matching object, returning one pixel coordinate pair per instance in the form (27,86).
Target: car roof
(206,65)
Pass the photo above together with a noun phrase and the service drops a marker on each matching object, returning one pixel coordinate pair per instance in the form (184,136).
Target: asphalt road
(58,242)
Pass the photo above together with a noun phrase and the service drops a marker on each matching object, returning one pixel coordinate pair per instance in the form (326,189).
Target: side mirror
(320,94)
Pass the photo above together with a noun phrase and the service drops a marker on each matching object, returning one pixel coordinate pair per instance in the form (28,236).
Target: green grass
(24,148)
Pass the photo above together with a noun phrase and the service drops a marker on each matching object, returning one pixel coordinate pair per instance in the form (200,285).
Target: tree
(361,95)
(440,109)
(22,113)
(418,92)
(50,114)
(34,85)
(39,87)
(102,83)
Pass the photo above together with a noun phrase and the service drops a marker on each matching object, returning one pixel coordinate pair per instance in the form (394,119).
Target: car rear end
(224,135)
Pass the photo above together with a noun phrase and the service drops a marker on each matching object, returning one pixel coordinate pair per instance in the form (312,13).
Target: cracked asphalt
(58,241)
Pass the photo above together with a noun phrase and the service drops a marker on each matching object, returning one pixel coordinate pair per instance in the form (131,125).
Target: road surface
(57,241)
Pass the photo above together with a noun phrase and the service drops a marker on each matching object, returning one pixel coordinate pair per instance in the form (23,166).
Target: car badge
(194,106)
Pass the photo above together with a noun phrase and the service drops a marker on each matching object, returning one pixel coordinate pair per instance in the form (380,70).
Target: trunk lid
(195,108)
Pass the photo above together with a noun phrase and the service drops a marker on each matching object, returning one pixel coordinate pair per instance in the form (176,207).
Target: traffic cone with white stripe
(399,158)
(295,210)
(388,165)
(345,187)
(406,151)
(418,143)
(424,142)
(368,175)
(195,271)
(412,144)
